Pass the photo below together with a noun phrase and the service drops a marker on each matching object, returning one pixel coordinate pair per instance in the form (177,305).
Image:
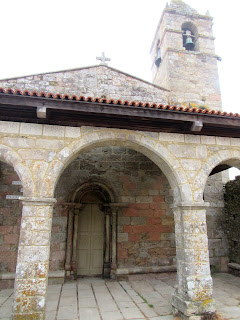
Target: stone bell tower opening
(190,36)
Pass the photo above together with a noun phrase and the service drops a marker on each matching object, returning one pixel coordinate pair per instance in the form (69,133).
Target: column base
(32,316)
(188,309)
(106,270)
(113,272)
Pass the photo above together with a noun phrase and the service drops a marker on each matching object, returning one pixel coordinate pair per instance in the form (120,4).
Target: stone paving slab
(142,297)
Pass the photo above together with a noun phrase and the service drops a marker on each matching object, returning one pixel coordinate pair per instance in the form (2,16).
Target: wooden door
(90,241)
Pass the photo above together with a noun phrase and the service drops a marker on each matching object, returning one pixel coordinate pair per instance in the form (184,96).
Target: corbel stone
(197,126)
(42,112)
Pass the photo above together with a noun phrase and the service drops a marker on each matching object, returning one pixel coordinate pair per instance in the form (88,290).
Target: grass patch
(145,301)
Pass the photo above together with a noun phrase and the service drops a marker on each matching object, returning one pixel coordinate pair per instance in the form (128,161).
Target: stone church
(105,174)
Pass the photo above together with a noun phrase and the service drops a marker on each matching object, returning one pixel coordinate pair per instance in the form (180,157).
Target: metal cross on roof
(103,59)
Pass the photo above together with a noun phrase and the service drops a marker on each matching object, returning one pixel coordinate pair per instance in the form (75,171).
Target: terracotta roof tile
(117,102)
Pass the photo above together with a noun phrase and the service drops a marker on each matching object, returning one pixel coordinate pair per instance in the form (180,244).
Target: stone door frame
(110,239)
(110,234)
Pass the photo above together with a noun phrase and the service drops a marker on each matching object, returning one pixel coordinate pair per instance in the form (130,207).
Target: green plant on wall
(232,218)
(188,105)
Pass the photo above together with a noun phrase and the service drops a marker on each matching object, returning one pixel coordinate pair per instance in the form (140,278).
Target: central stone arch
(140,142)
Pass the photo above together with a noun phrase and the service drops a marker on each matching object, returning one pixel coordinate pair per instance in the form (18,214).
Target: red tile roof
(117,102)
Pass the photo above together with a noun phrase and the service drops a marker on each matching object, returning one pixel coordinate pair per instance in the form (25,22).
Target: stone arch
(91,185)
(229,157)
(10,157)
(190,31)
(144,144)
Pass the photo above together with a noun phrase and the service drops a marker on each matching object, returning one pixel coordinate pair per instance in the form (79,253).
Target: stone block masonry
(147,239)
(97,82)
(58,238)
(10,218)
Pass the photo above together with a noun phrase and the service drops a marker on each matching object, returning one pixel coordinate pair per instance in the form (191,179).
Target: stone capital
(115,207)
(190,205)
(38,201)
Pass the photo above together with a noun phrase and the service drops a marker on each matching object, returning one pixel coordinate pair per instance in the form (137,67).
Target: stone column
(69,242)
(107,226)
(33,259)
(75,234)
(107,248)
(193,295)
(114,243)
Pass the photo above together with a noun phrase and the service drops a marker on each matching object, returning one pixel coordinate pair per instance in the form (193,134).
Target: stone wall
(197,74)
(58,238)
(10,218)
(146,235)
(97,82)
(217,235)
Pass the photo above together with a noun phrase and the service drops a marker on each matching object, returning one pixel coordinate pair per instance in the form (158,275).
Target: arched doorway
(91,242)
(89,231)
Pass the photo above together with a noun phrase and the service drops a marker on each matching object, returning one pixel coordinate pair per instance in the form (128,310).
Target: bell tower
(184,59)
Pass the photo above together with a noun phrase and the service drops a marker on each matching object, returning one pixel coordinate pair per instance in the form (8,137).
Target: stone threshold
(51,275)
(234,268)
(141,270)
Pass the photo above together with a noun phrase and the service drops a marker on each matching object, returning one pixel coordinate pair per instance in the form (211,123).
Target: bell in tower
(188,40)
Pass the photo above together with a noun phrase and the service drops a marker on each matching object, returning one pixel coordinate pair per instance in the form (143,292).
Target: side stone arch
(140,142)
(231,157)
(10,157)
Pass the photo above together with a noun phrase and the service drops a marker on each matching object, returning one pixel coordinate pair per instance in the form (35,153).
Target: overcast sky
(48,35)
